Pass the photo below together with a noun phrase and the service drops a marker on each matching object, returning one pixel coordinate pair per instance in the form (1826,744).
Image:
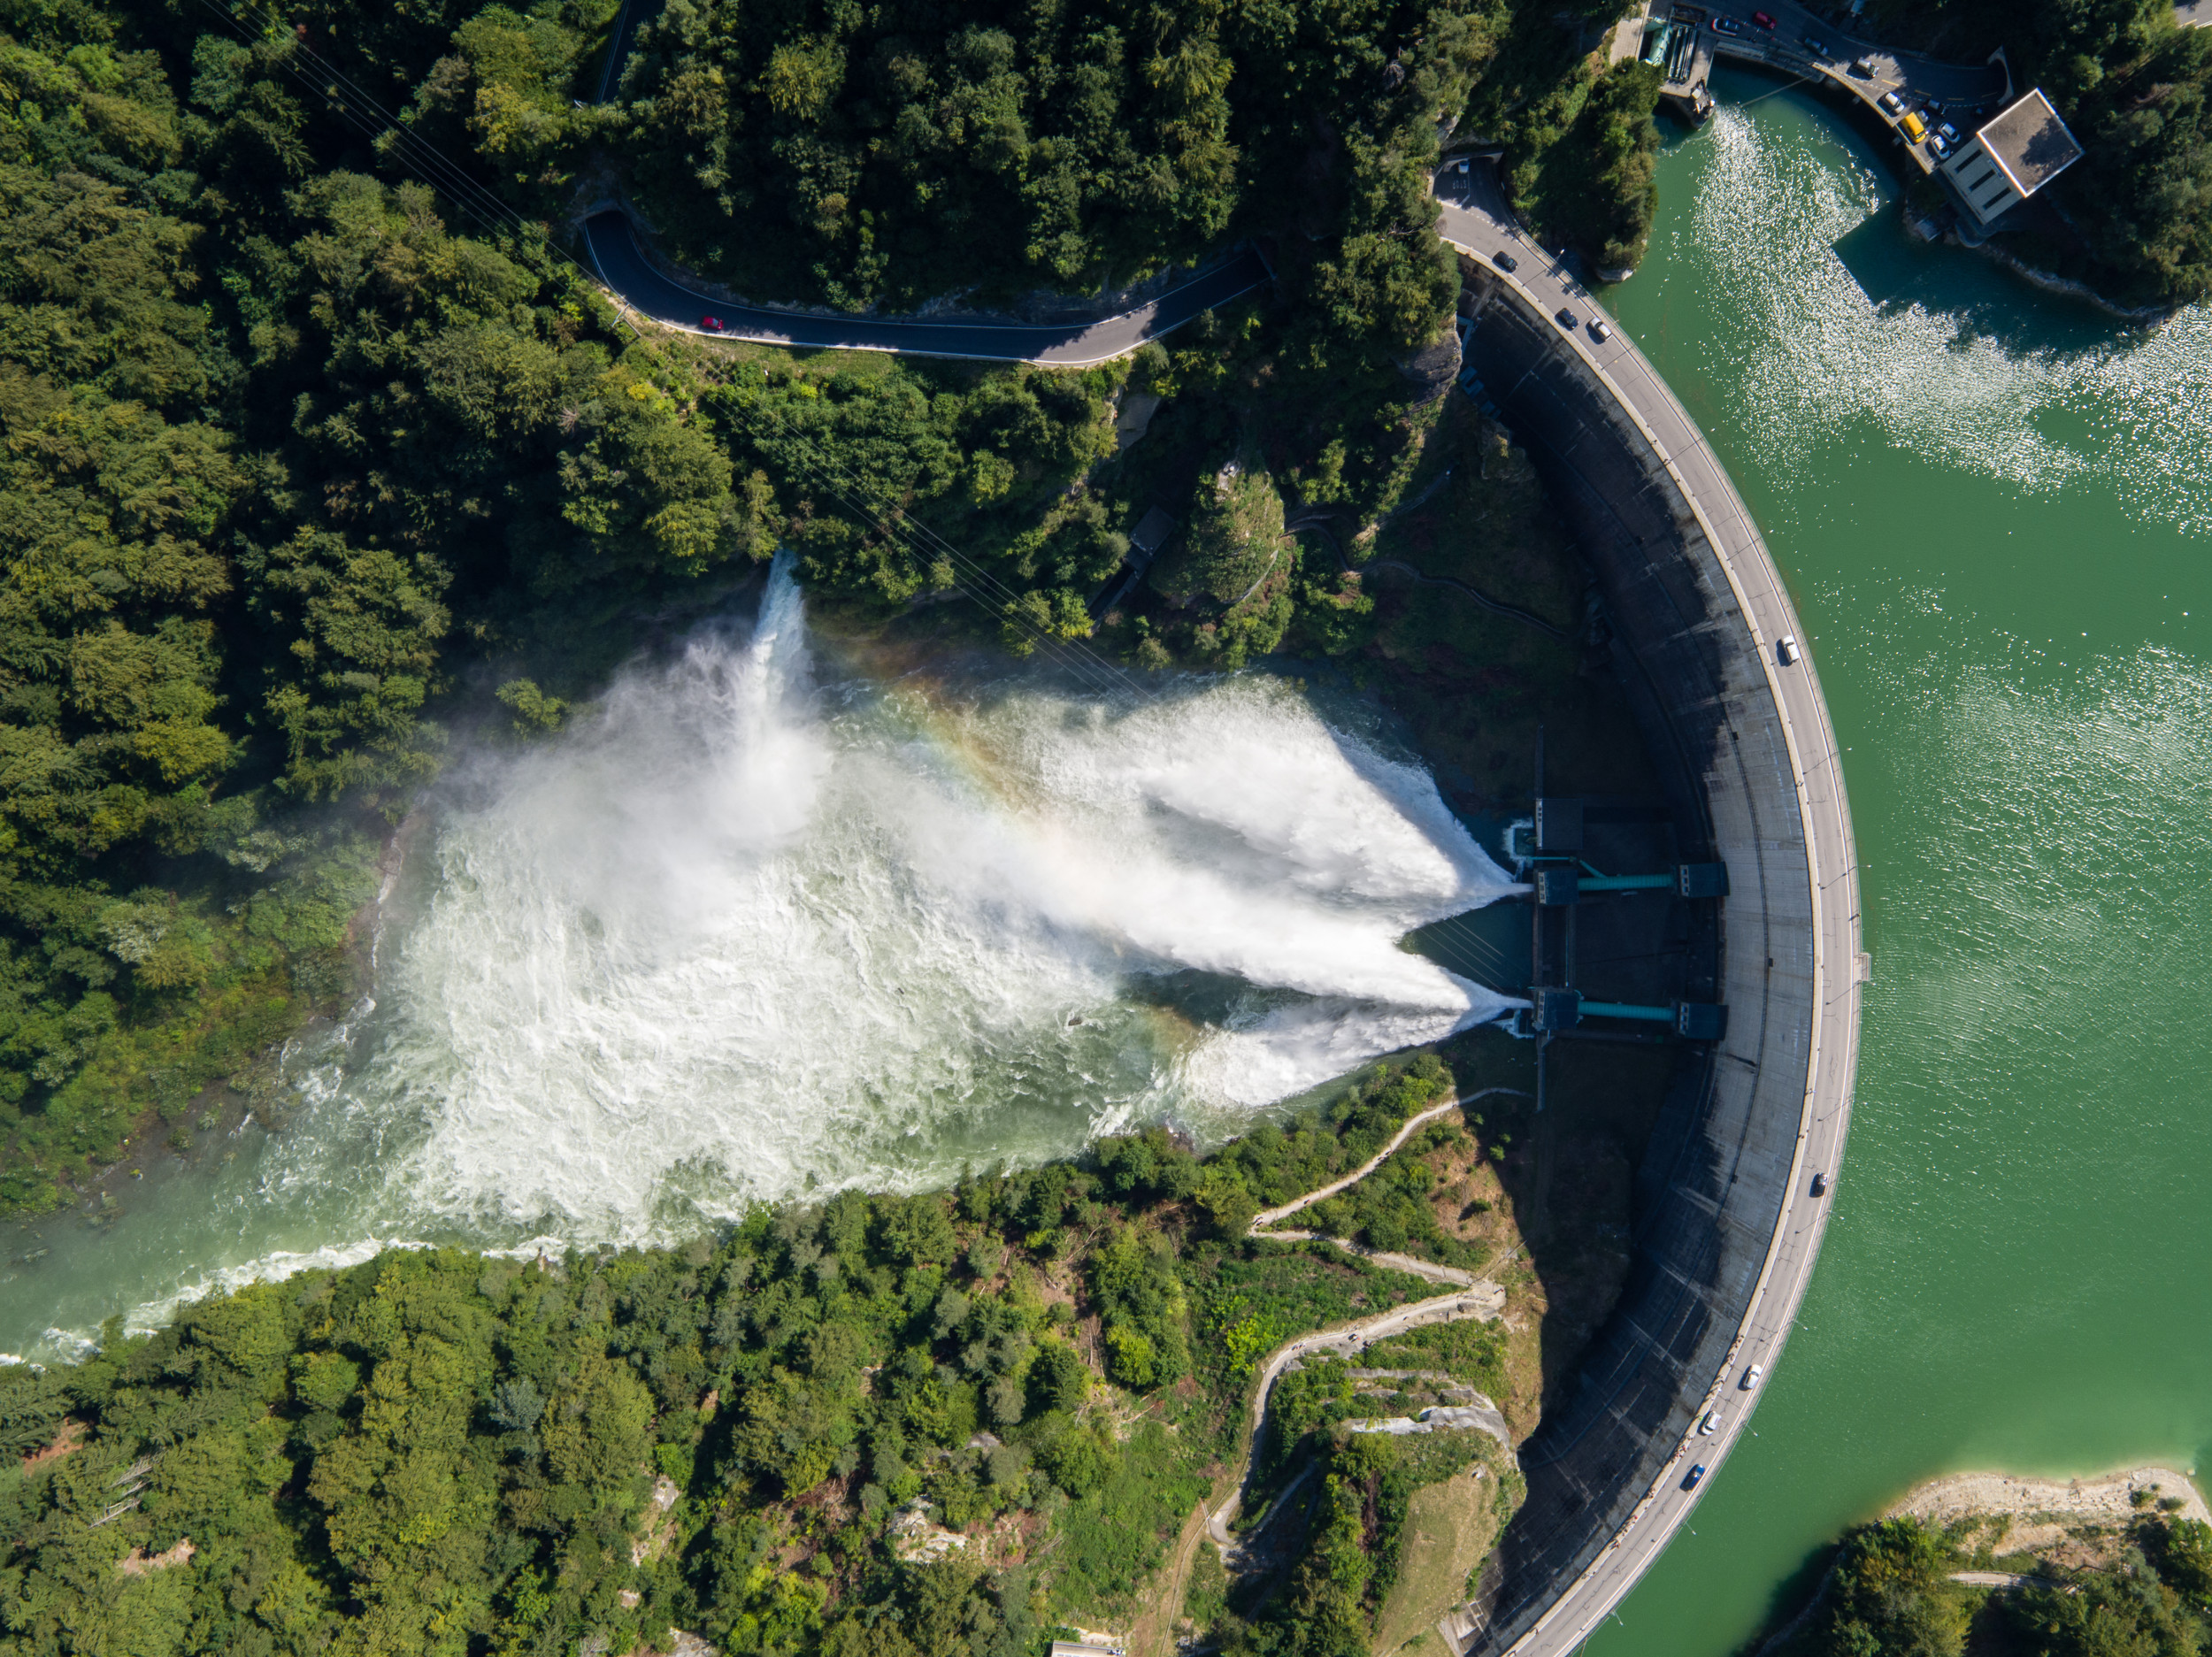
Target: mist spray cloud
(739,933)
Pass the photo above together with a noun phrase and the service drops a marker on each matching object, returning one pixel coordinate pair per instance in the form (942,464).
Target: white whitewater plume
(734,936)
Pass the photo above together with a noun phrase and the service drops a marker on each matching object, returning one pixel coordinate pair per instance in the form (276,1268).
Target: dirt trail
(1412,1125)
(1152,1634)
(1482,1298)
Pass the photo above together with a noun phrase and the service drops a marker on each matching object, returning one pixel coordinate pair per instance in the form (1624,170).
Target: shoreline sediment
(2101,1498)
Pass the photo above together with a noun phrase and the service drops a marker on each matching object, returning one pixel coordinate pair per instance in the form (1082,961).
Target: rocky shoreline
(2040,1514)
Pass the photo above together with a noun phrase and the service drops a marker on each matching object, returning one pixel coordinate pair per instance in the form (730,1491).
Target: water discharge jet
(749,930)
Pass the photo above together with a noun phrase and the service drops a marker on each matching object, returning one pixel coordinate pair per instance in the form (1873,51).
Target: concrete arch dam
(1726,1226)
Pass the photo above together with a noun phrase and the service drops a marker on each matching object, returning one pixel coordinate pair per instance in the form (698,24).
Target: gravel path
(1413,1125)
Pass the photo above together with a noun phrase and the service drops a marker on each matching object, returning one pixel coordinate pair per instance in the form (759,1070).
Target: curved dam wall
(1717,1174)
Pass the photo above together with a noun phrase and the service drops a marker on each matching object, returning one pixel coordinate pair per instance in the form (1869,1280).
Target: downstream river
(1994,510)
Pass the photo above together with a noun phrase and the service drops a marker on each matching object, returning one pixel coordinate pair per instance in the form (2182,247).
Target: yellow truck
(1915,128)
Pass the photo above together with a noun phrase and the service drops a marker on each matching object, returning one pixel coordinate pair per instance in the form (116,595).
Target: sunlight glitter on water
(2130,407)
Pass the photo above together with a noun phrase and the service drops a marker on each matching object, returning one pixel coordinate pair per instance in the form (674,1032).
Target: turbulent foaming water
(741,934)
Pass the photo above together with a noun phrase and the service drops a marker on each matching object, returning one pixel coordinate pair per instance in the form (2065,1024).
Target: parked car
(1892,105)
(1863,68)
(1762,20)
(1710,1426)
(1818,48)
(711,325)
(1939,146)
(1785,650)
(1948,132)
(1914,129)
(1820,1185)
(1751,1376)
(1696,1473)
(1599,331)
(1566,319)
(1507,262)
(1726,25)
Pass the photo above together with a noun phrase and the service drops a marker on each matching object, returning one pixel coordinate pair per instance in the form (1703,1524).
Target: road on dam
(612,245)
(1476,221)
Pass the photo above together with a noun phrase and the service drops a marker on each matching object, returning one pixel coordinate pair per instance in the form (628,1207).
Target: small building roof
(1151,532)
(2031,143)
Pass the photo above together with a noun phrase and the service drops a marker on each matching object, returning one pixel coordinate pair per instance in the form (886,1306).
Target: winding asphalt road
(612,245)
(1476,221)
(610,242)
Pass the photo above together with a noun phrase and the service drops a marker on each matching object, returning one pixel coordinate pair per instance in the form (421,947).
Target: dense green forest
(309,474)
(767,1441)
(899,153)
(2137,90)
(1891,1595)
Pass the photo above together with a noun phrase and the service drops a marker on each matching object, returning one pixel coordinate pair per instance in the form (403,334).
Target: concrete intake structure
(1725,1225)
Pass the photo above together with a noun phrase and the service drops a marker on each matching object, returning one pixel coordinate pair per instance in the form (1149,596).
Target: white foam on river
(1771,225)
(742,932)
(738,936)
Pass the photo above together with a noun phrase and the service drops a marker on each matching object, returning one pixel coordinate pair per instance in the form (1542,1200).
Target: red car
(712,324)
(1762,20)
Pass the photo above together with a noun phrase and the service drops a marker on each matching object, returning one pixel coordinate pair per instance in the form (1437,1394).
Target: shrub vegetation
(743,1437)
(2136,87)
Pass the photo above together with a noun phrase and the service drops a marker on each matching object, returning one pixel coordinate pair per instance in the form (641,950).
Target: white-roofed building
(2013,156)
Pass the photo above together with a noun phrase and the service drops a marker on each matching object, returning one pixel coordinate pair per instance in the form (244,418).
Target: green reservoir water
(1994,509)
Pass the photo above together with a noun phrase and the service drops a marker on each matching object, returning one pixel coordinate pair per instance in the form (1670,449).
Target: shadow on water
(1792,1598)
(1869,254)
(1896,271)
(1893,267)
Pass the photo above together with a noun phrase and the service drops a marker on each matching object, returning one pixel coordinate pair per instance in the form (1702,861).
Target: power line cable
(443,174)
(419,156)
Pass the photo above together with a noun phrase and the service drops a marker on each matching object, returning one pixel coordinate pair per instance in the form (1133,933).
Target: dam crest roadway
(1728,1228)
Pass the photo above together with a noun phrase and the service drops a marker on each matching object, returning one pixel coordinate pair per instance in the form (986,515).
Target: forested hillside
(2145,1593)
(899,153)
(304,463)
(936,1426)
(2137,90)
(289,463)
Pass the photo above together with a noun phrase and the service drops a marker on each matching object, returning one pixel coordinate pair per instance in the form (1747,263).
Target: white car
(1785,650)
(1710,1425)
(1751,1376)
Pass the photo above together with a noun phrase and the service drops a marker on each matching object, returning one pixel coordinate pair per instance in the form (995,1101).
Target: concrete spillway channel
(1726,1226)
